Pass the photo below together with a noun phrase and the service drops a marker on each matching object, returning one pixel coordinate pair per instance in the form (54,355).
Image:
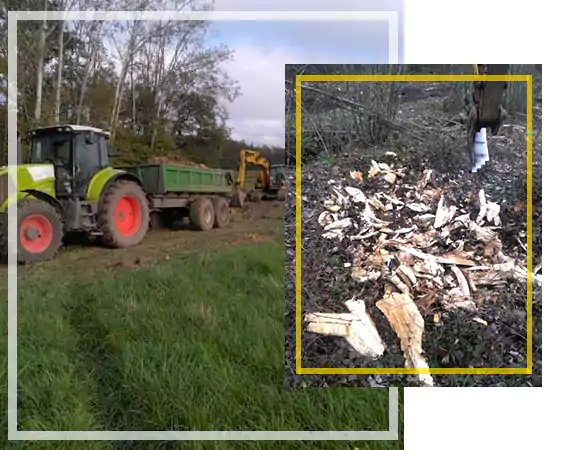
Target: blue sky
(334,39)
(261,49)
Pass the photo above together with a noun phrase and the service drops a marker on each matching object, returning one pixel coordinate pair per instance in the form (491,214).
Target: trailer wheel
(202,214)
(40,231)
(124,218)
(222,211)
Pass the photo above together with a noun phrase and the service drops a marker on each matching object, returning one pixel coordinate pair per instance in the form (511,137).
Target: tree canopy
(159,87)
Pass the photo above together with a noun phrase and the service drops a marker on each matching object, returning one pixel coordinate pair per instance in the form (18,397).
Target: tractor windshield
(52,148)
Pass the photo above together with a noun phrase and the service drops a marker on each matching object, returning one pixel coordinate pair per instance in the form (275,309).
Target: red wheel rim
(36,233)
(128,215)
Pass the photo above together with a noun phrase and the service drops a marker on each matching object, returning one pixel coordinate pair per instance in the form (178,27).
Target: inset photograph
(417,263)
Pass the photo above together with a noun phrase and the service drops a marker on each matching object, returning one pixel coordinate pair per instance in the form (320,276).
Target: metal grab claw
(486,113)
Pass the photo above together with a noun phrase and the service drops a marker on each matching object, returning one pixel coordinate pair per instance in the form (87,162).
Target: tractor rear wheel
(202,214)
(124,216)
(40,231)
(222,211)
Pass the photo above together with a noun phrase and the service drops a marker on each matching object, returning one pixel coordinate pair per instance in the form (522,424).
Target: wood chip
(339,224)
(390,177)
(407,322)
(444,213)
(356,194)
(357,328)
(461,280)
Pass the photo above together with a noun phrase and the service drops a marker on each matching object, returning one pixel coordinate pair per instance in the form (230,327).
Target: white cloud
(258,115)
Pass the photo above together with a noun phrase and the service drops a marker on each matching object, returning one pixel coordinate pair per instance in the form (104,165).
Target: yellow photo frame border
(298,257)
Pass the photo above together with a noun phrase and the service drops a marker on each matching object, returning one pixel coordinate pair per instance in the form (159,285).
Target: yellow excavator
(485,112)
(270,183)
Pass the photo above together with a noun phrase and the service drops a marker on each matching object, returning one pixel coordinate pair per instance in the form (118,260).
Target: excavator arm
(253,157)
(264,188)
(486,112)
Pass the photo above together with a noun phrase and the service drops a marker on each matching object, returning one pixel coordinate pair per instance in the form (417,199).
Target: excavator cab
(270,183)
(278,175)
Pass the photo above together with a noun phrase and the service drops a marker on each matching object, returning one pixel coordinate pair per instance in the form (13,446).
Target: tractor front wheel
(124,216)
(40,231)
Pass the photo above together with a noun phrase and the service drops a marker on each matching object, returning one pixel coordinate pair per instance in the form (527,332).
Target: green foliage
(141,349)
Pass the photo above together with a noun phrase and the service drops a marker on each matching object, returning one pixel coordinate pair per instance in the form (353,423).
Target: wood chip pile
(420,245)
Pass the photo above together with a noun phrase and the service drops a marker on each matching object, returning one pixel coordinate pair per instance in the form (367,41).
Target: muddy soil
(257,222)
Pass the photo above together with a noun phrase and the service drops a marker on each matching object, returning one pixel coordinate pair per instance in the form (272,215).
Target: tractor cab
(76,152)
(67,186)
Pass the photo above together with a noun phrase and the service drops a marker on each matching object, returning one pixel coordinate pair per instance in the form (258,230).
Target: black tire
(39,219)
(222,211)
(157,220)
(202,214)
(255,196)
(124,233)
(165,219)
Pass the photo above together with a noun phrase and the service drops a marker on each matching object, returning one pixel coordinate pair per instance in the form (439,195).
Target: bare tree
(45,31)
(93,37)
(63,5)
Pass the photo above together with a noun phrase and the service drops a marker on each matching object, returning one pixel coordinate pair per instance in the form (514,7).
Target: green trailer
(67,185)
(175,192)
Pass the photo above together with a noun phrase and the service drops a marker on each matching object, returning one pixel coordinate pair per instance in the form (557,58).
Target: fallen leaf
(355,175)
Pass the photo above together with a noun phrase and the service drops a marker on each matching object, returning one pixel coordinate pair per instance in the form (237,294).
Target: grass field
(192,343)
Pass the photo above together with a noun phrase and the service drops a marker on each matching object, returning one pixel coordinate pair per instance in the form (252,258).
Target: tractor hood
(39,177)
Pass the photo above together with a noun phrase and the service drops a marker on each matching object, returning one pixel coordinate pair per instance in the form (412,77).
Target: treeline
(338,116)
(159,87)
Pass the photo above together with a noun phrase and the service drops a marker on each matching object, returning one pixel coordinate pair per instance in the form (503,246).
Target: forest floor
(494,334)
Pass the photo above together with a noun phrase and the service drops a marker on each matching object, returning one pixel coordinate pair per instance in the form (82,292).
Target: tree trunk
(83,89)
(90,67)
(118,99)
(57,112)
(155,124)
(40,72)
(133,99)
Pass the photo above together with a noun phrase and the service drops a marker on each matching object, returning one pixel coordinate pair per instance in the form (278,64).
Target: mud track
(257,222)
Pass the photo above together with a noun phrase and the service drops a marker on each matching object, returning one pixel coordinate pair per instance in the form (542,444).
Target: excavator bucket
(238,199)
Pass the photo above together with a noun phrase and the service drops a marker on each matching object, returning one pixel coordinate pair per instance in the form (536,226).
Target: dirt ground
(455,340)
(255,223)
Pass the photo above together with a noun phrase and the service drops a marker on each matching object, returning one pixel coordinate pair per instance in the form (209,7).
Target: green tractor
(67,185)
